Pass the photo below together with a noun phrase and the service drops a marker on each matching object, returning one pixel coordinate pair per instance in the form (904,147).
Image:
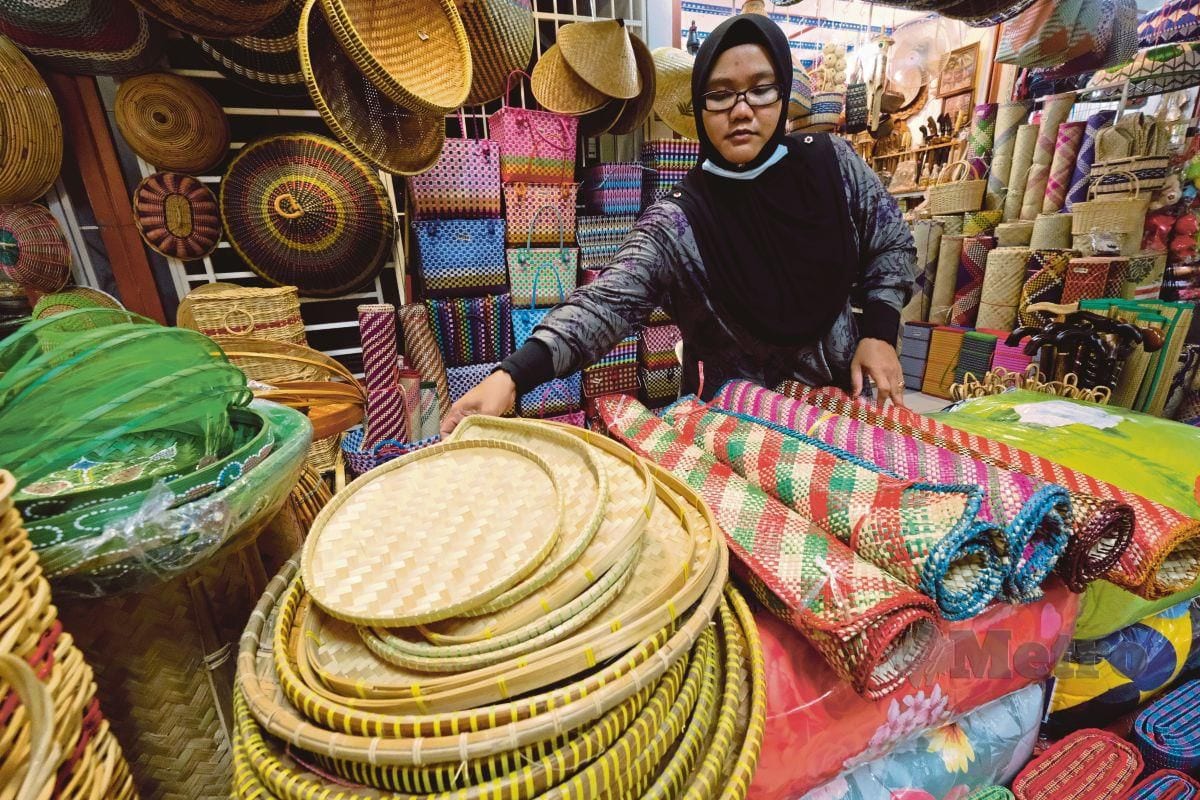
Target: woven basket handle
(1137,188)
(232,331)
(966,175)
(549,390)
(44,752)
(508,85)
(562,295)
(562,227)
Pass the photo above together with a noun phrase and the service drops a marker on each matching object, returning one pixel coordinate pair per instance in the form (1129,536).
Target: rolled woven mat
(975,357)
(1081,174)
(942,298)
(1035,188)
(952,224)
(1014,234)
(1062,167)
(872,629)
(968,287)
(1035,515)
(1167,732)
(983,132)
(1051,232)
(945,344)
(1001,293)
(423,353)
(1046,271)
(1090,764)
(1009,117)
(1055,110)
(1165,784)
(431,417)
(377,330)
(1022,161)
(926,535)
(387,417)
(927,235)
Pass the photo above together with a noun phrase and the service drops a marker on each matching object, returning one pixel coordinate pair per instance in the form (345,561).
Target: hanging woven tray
(177,216)
(33,250)
(31,148)
(501,33)
(172,122)
(267,60)
(218,18)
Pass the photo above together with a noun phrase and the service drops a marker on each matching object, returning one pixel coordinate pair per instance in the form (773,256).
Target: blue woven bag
(552,398)
(524,320)
(526,265)
(461,257)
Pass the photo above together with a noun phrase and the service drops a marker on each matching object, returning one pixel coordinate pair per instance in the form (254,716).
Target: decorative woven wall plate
(390,136)
(415,52)
(267,60)
(217,18)
(90,37)
(303,211)
(32,145)
(172,122)
(33,251)
(177,215)
(501,37)
(478,517)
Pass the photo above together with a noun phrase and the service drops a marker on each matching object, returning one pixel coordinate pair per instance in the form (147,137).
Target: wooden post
(90,142)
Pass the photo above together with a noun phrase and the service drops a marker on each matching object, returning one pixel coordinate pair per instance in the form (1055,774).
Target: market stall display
(172,122)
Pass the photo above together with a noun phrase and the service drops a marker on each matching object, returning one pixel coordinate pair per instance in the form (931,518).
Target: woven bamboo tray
(458,545)
(172,122)
(631,503)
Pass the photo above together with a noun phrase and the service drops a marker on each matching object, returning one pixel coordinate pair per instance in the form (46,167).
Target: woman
(758,254)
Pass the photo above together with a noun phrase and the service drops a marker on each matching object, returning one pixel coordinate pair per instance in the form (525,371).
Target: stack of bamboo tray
(524,611)
(54,740)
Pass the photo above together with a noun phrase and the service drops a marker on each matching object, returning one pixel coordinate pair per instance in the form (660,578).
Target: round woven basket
(172,122)
(89,37)
(415,52)
(217,18)
(177,215)
(31,146)
(371,125)
(501,37)
(266,61)
(226,309)
(33,251)
(303,211)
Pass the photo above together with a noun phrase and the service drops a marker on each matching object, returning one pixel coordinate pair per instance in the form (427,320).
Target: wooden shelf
(917,151)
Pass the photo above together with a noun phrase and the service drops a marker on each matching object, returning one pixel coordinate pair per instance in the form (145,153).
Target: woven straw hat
(392,137)
(603,118)
(218,18)
(560,89)
(639,108)
(673,96)
(602,54)
(303,211)
(266,60)
(90,37)
(32,249)
(172,122)
(31,148)
(177,215)
(501,36)
(415,52)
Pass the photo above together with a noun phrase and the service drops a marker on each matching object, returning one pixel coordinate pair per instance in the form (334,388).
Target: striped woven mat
(1168,730)
(1089,764)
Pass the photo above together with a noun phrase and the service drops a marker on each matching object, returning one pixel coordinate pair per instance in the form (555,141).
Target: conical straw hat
(560,89)
(602,54)
(673,95)
(637,109)
(602,119)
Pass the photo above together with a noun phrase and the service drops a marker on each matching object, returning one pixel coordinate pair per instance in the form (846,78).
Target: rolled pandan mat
(1066,152)
(377,330)
(952,224)
(1022,160)
(927,234)
(1055,110)
(1014,234)
(971,265)
(1081,175)
(945,282)
(1009,117)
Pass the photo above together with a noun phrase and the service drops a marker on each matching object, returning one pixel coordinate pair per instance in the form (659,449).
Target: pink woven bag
(535,146)
(464,184)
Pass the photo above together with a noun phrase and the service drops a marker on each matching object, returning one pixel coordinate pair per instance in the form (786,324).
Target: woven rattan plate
(433,534)
(172,122)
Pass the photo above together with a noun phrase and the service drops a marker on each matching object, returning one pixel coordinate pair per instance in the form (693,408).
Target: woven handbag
(522,203)
(461,256)
(656,346)
(524,320)
(535,146)
(613,189)
(527,264)
(472,330)
(1112,213)
(464,184)
(552,398)
(1114,176)
(658,385)
(960,194)
(464,379)
(616,371)
(601,230)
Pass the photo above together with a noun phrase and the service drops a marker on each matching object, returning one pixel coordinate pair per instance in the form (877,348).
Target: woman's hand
(877,360)
(494,396)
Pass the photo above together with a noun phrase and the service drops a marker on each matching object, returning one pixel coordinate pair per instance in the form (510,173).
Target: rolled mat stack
(941,301)
(1055,111)
(870,628)
(1001,292)
(1022,161)
(1090,764)
(1164,784)
(1009,117)
(971,265)
(597,593)
(1167,732)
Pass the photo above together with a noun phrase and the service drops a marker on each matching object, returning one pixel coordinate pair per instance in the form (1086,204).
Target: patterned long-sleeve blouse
(660,264)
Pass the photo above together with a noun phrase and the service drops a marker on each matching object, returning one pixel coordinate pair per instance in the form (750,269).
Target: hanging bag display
(461,256)
(464,184)
(535,146)
(613,189)
(525,319)
(472,330)
(527,264)
(523,201)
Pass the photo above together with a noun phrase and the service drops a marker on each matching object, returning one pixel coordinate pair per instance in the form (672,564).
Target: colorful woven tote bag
(535,146)
(461,256)
(523,203)
(472,330)
(553,398)
(554,268)
(613,189)
(616,371)
(464,379)
(464,184)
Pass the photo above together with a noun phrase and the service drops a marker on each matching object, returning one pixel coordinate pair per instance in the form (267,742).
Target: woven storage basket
(416,53)
(177,216)
(958,196)
(279,363)
(226,309)
(374,127)
(1052,232)
(172,122)
(1110,214)
(31,147)
(217,18)
(33,251)
(266,60)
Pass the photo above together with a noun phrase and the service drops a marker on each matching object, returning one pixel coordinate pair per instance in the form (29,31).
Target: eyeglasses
(755,97)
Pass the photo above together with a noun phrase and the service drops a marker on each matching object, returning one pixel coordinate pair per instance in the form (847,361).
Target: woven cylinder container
(225,309)
(31,147)
(944,284)
(377,330)
(1051,232)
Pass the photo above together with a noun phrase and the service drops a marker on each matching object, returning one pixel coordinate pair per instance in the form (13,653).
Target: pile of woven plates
(525,610)
(52,733)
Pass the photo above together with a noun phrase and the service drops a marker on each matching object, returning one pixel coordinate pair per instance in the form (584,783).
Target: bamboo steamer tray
(372,684)
(630,505)
(456,545)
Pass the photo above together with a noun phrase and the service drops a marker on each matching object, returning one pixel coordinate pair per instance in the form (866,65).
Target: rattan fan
(218,18)
(415,52)
(33,251)
(90,37)
(268,60)
(501,37)
(177,215)
(303,211)
(172,122)
(31,146)
(390,136)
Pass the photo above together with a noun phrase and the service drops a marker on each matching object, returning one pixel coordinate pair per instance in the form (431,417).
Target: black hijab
(777,247)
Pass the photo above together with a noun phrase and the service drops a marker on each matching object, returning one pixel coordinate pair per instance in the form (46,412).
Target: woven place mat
(631,503)
(433,533)
(1089,764)
(1168,731)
